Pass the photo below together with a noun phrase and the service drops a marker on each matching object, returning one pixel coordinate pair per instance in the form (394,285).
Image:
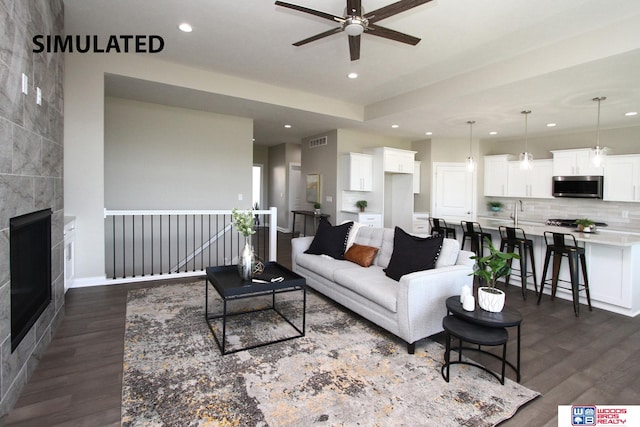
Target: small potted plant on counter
(495,205)
(361,204)
(490,268)
(317,207)
(585,225)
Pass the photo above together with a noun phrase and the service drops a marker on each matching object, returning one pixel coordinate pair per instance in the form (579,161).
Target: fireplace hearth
(30,266)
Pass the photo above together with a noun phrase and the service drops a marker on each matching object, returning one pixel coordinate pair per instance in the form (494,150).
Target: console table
(307,214)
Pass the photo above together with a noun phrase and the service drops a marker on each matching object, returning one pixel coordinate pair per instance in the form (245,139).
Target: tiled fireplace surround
(31,162)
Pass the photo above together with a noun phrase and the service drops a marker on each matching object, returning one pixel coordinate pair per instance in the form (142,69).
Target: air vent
(317,142)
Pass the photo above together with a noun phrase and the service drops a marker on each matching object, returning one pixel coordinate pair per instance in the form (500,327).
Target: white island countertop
(601,236)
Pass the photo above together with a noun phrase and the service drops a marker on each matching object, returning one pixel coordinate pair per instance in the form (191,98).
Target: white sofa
(412,308)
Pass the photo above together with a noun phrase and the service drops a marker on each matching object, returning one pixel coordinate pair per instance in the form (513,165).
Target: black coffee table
(230,287)
(507,318)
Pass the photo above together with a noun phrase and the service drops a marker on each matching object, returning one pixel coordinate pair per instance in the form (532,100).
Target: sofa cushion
(330,240)
(370,283)
(361,254)
(323,265)
(412,253)
(448,254)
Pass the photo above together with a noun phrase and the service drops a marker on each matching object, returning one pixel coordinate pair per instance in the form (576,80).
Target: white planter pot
(491,299)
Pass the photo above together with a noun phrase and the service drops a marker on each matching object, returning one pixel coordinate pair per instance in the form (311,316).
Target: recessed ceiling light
(428,133)
(185,27)
(631,113)
(551,125)
(352,75)
(493,132)
(287,126)
(395,126)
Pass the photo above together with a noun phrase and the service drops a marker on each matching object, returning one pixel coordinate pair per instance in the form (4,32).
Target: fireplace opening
(30,266)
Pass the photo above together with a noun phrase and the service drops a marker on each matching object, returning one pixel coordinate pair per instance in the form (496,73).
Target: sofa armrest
(298,246)
(422,296)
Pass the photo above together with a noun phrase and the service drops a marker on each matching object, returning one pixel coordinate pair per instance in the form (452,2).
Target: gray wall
(280,156)
(31,157)
(160,157)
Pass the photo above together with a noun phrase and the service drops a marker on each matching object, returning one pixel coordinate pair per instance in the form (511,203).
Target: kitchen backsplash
(619,216)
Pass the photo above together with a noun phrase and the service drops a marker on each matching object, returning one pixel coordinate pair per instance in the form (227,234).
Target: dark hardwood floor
(593,359)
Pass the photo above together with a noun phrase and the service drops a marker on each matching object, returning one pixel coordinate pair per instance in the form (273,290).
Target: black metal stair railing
(147,244)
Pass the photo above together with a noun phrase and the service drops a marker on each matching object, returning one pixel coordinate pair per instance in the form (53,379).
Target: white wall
(160,157)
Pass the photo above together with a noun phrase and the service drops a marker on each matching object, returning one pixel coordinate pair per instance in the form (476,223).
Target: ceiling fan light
(354,28)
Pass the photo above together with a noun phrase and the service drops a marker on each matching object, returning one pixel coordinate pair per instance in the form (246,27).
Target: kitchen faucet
(514,216)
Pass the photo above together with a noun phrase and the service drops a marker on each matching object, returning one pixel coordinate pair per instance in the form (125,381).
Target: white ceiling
(478,60)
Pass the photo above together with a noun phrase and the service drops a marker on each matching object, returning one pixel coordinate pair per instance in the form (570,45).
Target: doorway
(453,191)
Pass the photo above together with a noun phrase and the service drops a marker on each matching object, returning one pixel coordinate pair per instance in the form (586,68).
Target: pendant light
(471,164)
(598,152)
(525,157)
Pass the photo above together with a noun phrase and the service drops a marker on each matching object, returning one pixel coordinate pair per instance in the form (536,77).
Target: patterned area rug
(344,372)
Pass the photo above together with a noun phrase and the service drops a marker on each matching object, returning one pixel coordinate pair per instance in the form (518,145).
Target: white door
(295,191)
(453,191)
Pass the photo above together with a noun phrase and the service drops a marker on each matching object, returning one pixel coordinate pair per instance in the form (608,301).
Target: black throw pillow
(330,240)
(411,254)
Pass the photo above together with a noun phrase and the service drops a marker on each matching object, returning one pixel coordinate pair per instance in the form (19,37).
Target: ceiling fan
(356,23)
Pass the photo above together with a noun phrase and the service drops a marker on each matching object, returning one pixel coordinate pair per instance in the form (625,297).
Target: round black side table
(507,318)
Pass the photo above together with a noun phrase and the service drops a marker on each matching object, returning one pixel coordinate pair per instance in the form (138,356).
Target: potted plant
(317,207)
(490,268)
(361,204)
(495,205)
(585,225)
(244,224)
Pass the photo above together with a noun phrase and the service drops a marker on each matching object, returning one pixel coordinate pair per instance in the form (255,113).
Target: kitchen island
(613,263)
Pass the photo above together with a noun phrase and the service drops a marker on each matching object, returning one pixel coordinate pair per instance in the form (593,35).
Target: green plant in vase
(495,205)
(586,225)
(361,204)
(489,269)
(244,223)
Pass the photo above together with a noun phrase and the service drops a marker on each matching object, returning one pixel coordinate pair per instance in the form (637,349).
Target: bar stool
(473,232)
(560,245)
(439,227)
(515,238)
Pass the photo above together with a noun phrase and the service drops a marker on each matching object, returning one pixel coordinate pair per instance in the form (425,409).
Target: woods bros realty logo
(598,415)
(123,43)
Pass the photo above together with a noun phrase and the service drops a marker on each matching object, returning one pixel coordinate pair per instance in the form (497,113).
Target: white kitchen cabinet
(496,173)
(575,163)
(421,223)
(69,233)
(370,219)
(358,172)
(535,182)
(395,160)
(622,178)
(416,177)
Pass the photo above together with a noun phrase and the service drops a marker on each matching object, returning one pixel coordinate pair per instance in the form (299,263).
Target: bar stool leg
(557,260)
(533,267)
(573,271)
(510,249)
(523,270)
(547,258)
(586,279)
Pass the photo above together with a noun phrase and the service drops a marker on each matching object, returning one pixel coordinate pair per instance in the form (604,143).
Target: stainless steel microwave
(586,187)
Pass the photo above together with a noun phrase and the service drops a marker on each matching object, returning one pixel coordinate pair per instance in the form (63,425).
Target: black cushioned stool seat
(474,334)
(515,238)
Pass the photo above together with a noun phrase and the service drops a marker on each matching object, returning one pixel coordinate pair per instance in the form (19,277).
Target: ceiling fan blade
(393,9)
(310,11)
(354,7)
(354,47)
(318,36)
(376,30)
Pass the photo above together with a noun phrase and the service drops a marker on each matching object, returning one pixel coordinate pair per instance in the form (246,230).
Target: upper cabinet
(534,182)
(575,162)
(396,160)
(358,172)
(622,178)
(416,177)
(496,175)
